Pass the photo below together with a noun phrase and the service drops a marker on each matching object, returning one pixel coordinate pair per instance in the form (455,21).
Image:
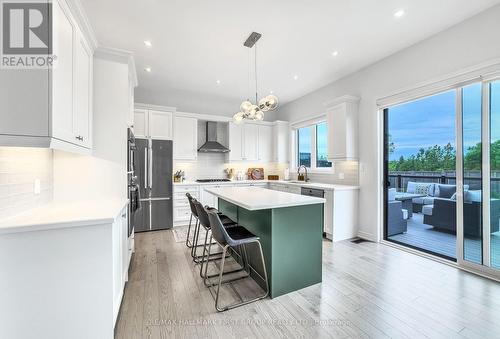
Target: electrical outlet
(341,176)
(36,186)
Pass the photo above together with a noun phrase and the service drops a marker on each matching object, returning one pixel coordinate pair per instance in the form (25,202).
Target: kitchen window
(312,146)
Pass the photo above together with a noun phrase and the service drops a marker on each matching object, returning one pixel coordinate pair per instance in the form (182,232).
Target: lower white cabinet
(73,270)
(121,259)
(182,211)
(208,199)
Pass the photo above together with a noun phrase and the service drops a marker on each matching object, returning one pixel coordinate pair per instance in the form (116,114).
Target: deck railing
(400,181)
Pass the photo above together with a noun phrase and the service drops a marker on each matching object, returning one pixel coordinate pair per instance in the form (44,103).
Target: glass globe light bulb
(271,102)
(238,117)
(263,104)
(246,106)
(252,111)
(259,116)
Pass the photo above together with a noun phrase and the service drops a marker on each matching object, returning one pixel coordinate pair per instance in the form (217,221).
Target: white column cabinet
(153,124)
(342,118)
(185,132)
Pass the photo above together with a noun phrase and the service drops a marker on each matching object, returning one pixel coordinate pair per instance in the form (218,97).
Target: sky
(322,141)
(431,121)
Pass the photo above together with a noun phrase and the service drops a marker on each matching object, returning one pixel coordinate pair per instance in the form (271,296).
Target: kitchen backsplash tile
(212,165)
(19,168)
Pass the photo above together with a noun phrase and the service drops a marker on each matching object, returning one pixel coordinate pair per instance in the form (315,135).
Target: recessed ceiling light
(218,82)
(271,92)
(399,13)
(335,53)
(295,77)
(148,69)
(148,43)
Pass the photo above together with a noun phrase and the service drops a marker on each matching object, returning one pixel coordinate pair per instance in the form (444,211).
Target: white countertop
(257,198)
(279,182)
(62,215)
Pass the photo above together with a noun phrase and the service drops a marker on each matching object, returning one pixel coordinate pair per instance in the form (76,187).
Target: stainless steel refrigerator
(154,174)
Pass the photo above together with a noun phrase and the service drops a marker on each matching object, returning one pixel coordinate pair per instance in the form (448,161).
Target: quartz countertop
(257,198)
(56,215)
(279,182)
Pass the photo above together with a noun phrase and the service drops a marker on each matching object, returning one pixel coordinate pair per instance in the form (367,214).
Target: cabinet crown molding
(121,56)
(81,18)
(139,105)
(341,100)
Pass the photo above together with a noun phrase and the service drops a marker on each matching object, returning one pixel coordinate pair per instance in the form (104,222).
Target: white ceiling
(197,42)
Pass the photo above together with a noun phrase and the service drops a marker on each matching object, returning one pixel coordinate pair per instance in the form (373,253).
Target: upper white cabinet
(153,124)
(235,135)
(250,142)
(281,141)
(185,138)
(160,125)
(58,111)
(342,117)
(243,142)
(265,143)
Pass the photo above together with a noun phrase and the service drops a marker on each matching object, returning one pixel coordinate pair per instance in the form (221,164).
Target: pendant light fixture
(255,111)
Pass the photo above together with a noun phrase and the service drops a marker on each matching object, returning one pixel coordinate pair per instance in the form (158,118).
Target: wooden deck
(368,291)
(426,237)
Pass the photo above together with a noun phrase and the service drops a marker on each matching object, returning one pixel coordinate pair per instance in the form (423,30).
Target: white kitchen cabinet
(141,123)
(243,142)
(84,89)
(208,199)
(153,124)
(342,118)
(185,133)
(58,113)
(281,141)
(265,143)
(182,211)
(250,142)
(235,135)
(160,125)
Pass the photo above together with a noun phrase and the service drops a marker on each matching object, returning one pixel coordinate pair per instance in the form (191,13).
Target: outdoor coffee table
(406,200)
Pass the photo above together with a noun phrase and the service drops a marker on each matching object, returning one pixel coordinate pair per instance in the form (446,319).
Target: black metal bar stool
(229,239)
(204,221)
(190,243)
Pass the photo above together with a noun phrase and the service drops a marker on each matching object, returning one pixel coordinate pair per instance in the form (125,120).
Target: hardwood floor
(368,290)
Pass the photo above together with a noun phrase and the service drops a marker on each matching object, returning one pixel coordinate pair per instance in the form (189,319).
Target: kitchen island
(290,228)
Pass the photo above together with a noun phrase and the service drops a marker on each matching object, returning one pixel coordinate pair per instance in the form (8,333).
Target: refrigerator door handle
(145,167)
(150,168)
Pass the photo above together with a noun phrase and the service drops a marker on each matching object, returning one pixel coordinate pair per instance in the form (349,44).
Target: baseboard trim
(367,236)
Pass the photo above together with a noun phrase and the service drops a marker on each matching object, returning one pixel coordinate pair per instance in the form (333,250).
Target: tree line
(443,158)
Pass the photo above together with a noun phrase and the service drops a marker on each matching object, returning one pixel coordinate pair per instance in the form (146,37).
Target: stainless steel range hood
(212,145)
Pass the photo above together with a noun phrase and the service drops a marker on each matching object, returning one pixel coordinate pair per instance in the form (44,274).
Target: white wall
(104,174)
(19,168)
(470,43)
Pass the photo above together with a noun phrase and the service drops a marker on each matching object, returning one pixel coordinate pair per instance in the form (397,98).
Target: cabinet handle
(124,215)
(79,137)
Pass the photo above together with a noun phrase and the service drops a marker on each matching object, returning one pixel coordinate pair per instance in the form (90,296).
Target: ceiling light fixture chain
(250,111)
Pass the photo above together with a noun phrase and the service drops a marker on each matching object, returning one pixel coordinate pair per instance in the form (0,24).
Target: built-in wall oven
(132,181)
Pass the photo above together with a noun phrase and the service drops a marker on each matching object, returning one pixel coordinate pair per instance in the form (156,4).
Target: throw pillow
(447,191)
(422,189)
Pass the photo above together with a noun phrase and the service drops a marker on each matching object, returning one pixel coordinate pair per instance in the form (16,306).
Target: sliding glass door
(442,175)
(494,145)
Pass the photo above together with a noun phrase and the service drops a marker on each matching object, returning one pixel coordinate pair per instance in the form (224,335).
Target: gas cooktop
(213,180)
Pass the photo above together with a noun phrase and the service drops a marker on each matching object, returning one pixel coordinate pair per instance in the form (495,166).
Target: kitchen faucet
(306,179)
